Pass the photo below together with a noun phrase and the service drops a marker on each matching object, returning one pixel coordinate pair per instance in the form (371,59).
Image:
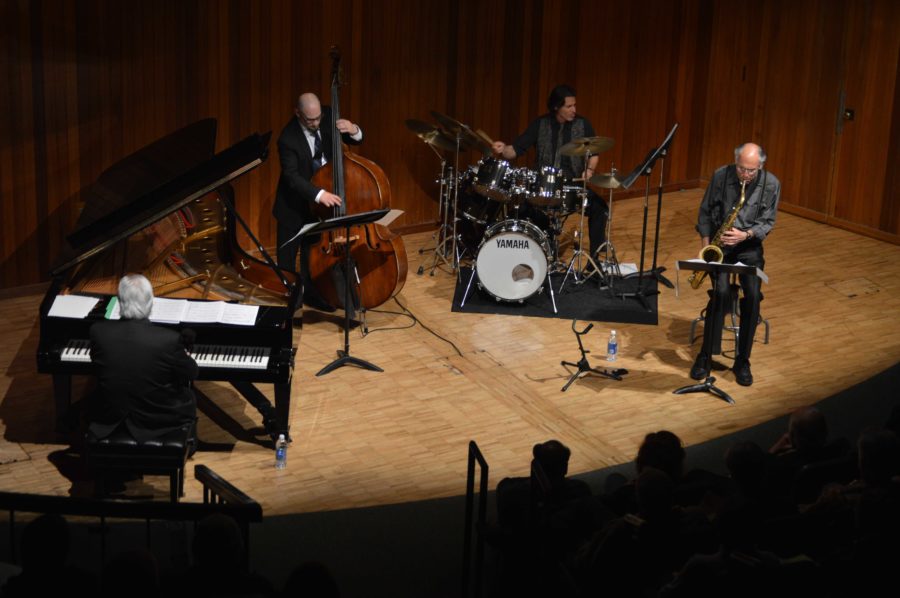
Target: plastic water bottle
(612,347)
(280,452)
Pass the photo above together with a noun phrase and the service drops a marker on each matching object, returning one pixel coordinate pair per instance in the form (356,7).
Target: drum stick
(485,136)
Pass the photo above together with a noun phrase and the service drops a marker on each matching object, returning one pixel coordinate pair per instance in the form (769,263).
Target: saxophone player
(741,242)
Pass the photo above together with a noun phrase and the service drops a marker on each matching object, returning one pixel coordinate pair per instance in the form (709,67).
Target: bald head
(309,110)
(749,159)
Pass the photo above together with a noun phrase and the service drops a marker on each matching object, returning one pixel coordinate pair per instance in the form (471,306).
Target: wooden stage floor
(364,438)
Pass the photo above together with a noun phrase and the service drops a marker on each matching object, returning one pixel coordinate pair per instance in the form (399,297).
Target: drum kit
(507,221)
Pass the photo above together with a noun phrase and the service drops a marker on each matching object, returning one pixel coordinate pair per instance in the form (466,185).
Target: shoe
(742,373)
(316,302)
(700,369)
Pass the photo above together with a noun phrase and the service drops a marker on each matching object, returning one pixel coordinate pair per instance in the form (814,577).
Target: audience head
(893,422)
(655,493)
(554,459)
(879,456)
(808,430)
(746,462)
(218,544)
(135,297)
(45,543)
(662,450)
(136,570)
(311,579)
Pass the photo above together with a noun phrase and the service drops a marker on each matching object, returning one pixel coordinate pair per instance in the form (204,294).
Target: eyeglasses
(311,120)
(743,170)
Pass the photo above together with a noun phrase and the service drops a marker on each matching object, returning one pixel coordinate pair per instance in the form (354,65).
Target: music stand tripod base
(707,385)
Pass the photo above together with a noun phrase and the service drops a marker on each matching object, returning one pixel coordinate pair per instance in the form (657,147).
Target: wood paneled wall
(88,82)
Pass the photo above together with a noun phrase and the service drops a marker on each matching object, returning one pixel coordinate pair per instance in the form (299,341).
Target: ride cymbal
(418,126)
(431,135)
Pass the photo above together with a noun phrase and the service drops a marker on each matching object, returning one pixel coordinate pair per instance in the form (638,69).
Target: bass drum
(512,260)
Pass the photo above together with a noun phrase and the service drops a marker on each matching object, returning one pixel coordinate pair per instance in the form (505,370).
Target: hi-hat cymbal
(606,180)
(586,145)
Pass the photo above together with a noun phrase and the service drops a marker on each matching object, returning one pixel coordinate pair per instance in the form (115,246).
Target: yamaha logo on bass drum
(513,244)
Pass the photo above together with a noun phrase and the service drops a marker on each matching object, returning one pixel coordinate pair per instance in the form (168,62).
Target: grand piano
(167,211)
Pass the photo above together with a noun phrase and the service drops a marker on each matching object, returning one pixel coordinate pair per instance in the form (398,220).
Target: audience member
(136,570)
(311,580)
(220,565)
(45,572)
(805,442)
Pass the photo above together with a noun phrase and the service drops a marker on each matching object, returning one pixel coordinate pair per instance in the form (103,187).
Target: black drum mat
(586,301)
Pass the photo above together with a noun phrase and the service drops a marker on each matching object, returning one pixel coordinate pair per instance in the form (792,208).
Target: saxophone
(713,251)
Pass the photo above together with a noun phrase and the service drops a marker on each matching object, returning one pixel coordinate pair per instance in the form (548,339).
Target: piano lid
(154,182)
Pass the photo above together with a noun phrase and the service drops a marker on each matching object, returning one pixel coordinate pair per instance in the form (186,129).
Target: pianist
(143,371)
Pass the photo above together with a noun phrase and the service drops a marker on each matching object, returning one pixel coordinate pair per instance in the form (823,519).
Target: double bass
(378,254)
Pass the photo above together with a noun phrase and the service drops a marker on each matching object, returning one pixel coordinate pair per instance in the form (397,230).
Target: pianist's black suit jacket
(296,194)
(143,372)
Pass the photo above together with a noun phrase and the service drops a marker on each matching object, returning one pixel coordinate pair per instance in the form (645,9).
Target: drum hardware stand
(584,367)
(645,169)
(577,271)
(443,236)
(610,261)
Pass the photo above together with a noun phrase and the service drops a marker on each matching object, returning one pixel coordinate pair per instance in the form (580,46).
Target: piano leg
(283,408)
(274,418)
(62,398)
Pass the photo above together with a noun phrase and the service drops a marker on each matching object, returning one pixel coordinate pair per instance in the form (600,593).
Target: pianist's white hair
(135,297)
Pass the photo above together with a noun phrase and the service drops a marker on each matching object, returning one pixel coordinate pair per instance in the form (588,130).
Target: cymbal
(586,145)
(468,139)
(606,180)
(451,125)
(417,126)
(431,135)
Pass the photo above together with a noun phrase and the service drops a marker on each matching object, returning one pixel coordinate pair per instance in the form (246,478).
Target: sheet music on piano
(165,311)
(72,306)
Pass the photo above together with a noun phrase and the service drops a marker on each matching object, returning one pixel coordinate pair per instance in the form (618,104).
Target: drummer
(550,132)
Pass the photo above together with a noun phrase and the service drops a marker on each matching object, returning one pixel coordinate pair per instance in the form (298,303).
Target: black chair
(121,453)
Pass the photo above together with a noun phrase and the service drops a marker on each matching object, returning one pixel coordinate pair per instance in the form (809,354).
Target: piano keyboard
(206,356)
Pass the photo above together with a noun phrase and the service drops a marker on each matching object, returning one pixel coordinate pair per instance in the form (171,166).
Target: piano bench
(120,452)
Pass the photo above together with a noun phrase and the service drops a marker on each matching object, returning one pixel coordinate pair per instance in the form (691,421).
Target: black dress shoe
(742,374)
(316,302)
(700,369)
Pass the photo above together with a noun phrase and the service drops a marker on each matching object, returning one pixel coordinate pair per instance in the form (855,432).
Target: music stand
(345,222)
(645,168)
(713,269)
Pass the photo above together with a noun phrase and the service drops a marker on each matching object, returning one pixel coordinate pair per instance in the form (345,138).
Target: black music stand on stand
(584,367)
(344,357)
(645,168)
(713,269)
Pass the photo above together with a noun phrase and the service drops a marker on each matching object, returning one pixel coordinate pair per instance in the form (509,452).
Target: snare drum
(492,179)
(545,189)
(512,260)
